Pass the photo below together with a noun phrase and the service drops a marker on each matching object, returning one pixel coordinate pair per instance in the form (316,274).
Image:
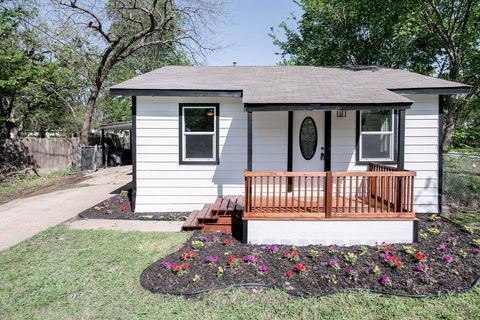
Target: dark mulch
(118,207)
(442,277)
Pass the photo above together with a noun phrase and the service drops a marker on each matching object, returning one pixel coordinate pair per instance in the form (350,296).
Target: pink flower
(263,268)
(384,280)
(448,259)
(271,248)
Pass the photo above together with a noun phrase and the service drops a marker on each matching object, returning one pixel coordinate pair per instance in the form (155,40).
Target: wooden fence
(52,154)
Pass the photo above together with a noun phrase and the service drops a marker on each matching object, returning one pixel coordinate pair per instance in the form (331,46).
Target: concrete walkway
(23,218)
(125,225)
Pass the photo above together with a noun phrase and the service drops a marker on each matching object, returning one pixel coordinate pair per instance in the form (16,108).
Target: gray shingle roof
(292,84)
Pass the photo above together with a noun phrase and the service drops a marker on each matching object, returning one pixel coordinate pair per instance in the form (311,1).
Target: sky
(245,32)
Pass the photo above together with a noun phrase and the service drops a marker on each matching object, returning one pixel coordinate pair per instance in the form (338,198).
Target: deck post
(328,194)
(400,155)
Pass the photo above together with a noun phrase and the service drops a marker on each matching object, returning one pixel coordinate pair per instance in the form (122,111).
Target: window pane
(308,138)
(380,120)
(199,146)
(199,119)
(376,146)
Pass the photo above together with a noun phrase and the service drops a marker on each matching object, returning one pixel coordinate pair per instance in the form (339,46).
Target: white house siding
(164,185)
(421,151)
(421,148)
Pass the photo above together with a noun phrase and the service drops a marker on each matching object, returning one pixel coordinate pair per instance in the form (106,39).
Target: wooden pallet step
(215,227)
(239,204)
(216,205)
(232,204)
(191,223)
(206,214)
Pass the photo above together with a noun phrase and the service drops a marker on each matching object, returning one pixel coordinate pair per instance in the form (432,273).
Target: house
(305,154)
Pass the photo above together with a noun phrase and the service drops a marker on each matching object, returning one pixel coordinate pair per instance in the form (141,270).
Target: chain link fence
(461,180)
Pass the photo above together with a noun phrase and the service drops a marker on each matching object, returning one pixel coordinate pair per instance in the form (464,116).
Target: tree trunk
(87,117)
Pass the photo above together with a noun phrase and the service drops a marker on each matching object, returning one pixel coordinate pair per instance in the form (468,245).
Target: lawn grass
(18,186)
(71,274)
(465,216)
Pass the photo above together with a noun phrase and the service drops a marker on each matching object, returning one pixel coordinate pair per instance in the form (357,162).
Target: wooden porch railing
(377,193)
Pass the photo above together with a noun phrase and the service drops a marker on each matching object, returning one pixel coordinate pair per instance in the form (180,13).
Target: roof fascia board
(177,93)
(325,106)
(435,91)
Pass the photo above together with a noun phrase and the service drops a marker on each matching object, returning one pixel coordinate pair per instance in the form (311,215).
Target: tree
(432,37)
(111,109)
(123,28)
(28,80)
(455,25)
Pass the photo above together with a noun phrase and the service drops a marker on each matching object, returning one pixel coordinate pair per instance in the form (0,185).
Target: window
(308,138)
(376,140)
(199,133)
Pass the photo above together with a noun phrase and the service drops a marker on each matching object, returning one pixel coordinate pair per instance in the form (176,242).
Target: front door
(308,141)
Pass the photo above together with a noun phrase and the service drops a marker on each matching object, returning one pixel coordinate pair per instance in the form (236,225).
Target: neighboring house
(297,142)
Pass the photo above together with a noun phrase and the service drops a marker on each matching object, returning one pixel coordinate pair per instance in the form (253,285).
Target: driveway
(23,218)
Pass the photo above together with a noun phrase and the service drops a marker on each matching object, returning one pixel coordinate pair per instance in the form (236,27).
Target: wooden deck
(381,193)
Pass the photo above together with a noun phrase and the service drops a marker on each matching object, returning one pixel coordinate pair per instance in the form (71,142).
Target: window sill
(196,163)
(362,162)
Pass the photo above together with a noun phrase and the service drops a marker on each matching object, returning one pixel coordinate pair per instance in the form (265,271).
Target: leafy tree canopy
(433,37)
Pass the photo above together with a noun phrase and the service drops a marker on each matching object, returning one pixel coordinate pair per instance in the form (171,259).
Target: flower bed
(118,207)
(446,259)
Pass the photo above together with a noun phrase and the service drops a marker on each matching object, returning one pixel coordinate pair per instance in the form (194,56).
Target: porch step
(218,216)
(191,223)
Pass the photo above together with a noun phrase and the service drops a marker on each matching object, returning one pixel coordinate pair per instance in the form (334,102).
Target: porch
(382,193)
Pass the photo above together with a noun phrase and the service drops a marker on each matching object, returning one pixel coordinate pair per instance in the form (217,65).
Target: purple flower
(334,263)
(348,270)
(419,268)
(205,239)
(211,259)
(250,259)
(271,248)
(475,251)
(442,247)
(263,268)
(448,259)
(384,280)
(385,256)
(167,264)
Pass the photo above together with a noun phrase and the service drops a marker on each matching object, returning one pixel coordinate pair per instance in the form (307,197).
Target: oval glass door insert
(308,138)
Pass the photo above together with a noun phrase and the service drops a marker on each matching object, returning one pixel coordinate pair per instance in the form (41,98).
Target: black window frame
(300,138)
(395,140)
(216,160)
